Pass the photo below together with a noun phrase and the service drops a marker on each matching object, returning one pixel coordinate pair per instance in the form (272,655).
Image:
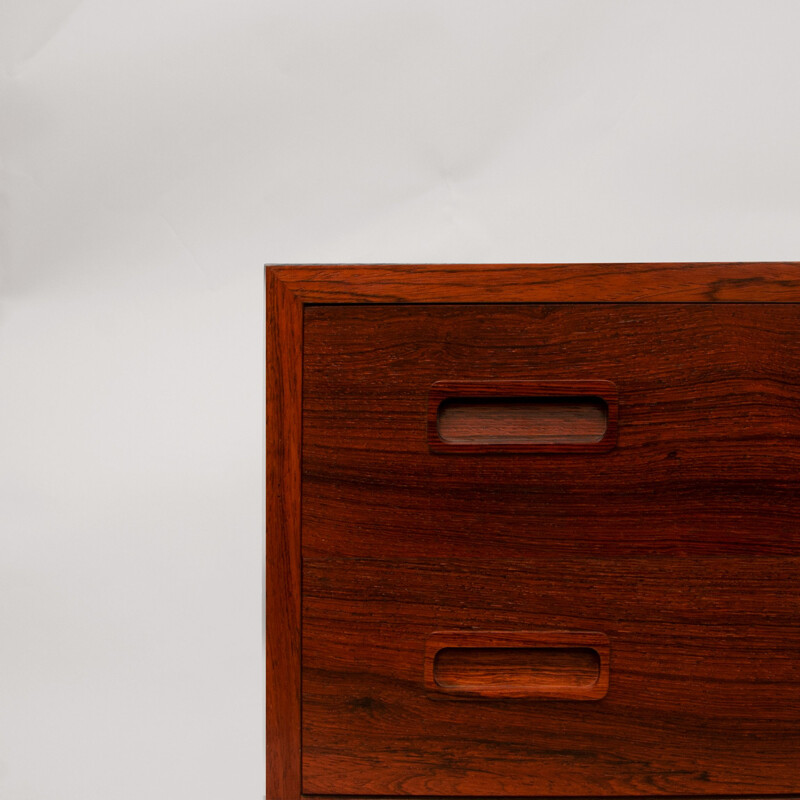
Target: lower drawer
(702,672)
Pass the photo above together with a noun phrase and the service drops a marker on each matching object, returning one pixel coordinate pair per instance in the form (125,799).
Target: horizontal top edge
(741,281)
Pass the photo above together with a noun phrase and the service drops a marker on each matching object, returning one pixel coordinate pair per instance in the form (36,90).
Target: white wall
(154,155)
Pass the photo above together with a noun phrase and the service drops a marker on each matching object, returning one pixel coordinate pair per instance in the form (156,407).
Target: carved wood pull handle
(563,665)
(522,416)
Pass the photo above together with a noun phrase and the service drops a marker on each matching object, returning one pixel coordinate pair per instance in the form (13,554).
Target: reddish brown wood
(550,430)
(544,283)
(282,575)
(522,672)
(682,544)
(522,420)
(482,664)
(574,797)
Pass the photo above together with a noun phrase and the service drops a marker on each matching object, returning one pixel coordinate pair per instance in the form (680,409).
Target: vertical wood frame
(284,358)
(290,288)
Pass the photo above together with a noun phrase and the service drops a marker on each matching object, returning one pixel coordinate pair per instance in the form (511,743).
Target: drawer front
(551,549)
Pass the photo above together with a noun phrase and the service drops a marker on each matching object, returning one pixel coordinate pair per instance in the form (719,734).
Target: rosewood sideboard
(533,531)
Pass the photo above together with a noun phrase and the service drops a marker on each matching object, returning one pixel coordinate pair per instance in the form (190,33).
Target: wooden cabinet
(533,531)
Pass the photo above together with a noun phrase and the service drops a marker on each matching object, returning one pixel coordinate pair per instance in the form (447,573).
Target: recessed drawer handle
(522,416)
(555,665)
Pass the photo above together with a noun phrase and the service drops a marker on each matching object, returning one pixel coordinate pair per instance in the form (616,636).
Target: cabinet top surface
(499,283)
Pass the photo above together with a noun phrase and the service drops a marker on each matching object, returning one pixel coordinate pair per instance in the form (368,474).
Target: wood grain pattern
(522,420)
(573,797)
(549,433)
(744,282)
(699,573)
(562,665)
(522,672)
(282,549)
(682,545)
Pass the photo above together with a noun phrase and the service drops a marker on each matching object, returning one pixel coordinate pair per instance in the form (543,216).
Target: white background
(154,155)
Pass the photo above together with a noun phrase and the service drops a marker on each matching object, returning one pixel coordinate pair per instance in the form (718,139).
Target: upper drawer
(705,403)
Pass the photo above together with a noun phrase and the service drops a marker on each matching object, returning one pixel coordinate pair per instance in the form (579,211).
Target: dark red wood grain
(535,420)
(443,391)
(482,664)
(544,283)
(682,545)
(282,572)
